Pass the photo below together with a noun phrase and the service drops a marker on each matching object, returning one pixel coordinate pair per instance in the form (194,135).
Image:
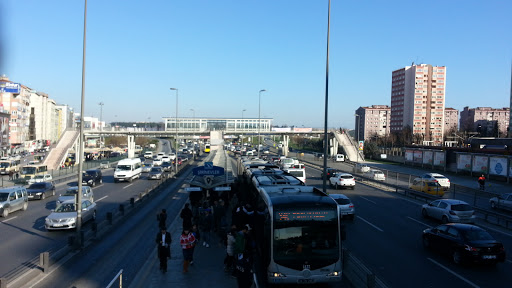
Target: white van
(339,158)
(148,155)
(128,170)
(297,173)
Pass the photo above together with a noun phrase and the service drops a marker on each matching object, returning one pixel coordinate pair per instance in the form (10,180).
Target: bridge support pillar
(131,146)
(286,140)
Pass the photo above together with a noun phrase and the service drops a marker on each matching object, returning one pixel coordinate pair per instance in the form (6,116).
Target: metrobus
(7,166)
(298,234)
(206,148)
(30,171)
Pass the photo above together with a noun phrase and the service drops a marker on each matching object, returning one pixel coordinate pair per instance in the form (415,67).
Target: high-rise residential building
(65,118)
(418,99)
(451,120)
(373,121)
(487,121)
(15,100)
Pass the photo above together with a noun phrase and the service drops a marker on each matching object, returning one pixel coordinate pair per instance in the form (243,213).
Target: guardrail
(18,277)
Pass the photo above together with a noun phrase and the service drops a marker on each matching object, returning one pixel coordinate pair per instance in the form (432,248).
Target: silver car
(70,194)
(156,173)
(449,210)
(146,167)
(65,216)
(345,206)
(502,201)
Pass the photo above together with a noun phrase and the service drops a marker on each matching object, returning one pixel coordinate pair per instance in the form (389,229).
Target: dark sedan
(40,190)
(330,173)
(166,166)
(92,177)
(464,243)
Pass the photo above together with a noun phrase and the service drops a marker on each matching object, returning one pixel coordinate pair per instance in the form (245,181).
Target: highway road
(386,236)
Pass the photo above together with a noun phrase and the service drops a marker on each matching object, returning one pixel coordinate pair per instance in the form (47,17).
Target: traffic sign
(208,169)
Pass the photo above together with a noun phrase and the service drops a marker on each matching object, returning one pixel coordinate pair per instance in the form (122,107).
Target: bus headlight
(334,274)
(278,275)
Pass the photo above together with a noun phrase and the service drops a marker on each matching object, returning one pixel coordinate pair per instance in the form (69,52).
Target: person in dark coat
(207,223)
(162,218)
(243,269)
(186,215)
(163,240)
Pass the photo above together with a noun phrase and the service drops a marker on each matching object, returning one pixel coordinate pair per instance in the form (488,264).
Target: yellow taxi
(429,187)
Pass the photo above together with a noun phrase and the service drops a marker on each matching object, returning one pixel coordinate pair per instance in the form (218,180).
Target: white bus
(7,166)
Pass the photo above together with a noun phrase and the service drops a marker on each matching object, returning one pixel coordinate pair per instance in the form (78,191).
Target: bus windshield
(5,164)
(306,236)
(28,170)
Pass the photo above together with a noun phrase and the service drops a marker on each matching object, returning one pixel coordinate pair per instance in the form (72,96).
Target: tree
(371,150)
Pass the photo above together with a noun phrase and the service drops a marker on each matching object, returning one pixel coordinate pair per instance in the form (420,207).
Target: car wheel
(93,184)
(101,180)
(25,206)
(43,196)
(5,213)
(444,219)
(456,257)
(493,205)
(336,186)
(426,242)
(424,213)
(130,180)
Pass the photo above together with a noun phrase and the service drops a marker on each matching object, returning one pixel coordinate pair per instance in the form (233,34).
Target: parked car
(70,194)
(340,180)
(435,177)
(146,167)
(464,243)
(345,206)
(92,177)
(40,178)
(40,190)
(502,201)
(65,215)
(449,210)
(330,172)
(376,175)
(429,187)
(156,173)
(13,199)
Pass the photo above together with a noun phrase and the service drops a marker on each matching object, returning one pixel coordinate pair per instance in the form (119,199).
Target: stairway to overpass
(58,154)
(349,146)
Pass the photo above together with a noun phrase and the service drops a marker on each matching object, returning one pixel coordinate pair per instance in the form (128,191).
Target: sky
(220,54)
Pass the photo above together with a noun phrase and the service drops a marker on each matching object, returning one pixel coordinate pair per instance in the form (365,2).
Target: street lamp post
(259,119)
(193,120)
(242,146)
(176,152)
(358,128)
(101,123)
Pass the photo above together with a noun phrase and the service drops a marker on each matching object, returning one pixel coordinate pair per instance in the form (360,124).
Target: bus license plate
(489,257)
(306,281)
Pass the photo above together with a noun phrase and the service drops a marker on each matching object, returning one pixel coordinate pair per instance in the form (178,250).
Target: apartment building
(489,122)
(418,99)
(372,121)
(451,120)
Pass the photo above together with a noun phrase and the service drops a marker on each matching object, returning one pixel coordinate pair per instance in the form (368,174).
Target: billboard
(304,130)
(498,166)
(428,157)
(439,157)
(286,129)
(361,145)
(408,155)
(480,164)
(418,156)
(464,162)
(9,87)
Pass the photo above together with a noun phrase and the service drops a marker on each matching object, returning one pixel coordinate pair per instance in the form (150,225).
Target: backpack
(239,243)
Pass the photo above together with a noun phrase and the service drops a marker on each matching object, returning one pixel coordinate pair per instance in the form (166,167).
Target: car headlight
(90,181)
(39,193)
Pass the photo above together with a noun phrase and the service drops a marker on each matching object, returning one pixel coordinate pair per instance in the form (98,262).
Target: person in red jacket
(481,182)
(187,242)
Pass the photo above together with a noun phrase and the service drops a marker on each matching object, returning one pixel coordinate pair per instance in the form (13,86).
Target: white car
(342,180)
(435,177)
(376,175)
(345,206)
(362,168)
(40,178)
(157,162)
(166,158)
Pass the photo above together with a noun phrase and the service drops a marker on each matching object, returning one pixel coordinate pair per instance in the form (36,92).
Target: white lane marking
(455,274)
(10,219)
(98,200)
(417,221)
(368,200)
(127,186)
(496,230)
(370,224)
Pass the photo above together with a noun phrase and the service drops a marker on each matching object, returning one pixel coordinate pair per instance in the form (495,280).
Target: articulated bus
(298,235)
(30,171)
(206,148)
(7,166)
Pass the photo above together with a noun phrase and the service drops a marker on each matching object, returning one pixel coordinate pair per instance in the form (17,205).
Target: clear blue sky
(219,54)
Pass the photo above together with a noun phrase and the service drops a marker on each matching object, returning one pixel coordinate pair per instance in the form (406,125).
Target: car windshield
(342,201)
(124,167)
(89,173)
(156,170)
(39,177)
(477,235)
(64,208)
(70,192)
(37,186)
(440,177)
(3,197)
(462,207)
(4,165)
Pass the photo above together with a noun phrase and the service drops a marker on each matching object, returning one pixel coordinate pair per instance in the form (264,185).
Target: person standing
(244,270)
(10,175)
(206,227)
(481,182)
(162,218)
(230,247)
(197,237)
(187,241)
(163,240)
(186,215)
